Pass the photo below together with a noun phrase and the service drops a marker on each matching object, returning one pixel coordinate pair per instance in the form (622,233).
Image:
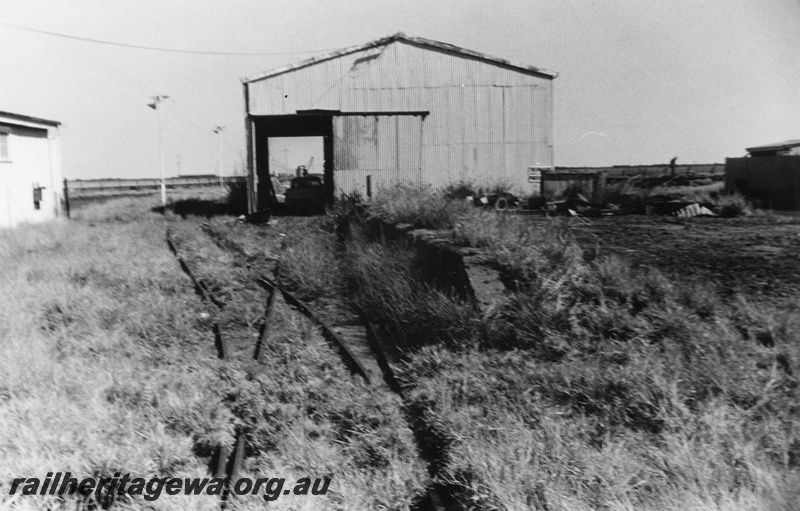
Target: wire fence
(89,187)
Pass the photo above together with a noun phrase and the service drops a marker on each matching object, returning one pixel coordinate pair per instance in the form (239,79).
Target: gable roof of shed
(418,41)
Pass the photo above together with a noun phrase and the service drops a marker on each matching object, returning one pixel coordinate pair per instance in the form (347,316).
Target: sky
(640,81)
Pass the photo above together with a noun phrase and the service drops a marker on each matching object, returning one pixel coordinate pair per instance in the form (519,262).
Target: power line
(125,82)
(156,48)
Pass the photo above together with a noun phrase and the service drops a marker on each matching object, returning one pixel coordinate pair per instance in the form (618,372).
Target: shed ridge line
(414,41)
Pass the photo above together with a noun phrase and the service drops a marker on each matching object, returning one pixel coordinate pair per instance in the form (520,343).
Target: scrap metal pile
(578,205)
(687,195)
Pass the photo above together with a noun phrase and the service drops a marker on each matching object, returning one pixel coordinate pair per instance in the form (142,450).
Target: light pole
(155,106)
(218,130)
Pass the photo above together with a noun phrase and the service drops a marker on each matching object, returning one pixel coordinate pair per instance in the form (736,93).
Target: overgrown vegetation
(460,190)
(309,265)
(301,411)
(734,205)
(107,365)
(305,415)
(464,189)
(419,206)
(110,365)
(386,283)
(594,385)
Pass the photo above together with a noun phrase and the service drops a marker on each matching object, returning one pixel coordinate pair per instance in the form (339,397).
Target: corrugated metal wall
(387,147)
(487,123)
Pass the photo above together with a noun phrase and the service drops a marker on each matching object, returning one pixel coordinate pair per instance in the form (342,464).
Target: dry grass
(302,412)
(419,206)
(310,265)
(109,366)
(515,441)
(106,366)
(386,283)
(307,416)
(596,385)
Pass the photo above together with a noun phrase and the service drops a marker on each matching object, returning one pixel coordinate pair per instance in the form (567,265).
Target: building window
(4,156)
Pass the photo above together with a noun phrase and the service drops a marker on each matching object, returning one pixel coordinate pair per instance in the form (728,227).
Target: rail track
(347,331)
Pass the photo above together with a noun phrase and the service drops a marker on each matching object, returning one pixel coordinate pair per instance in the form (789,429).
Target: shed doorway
(361,151)
(279,142)
(293,157)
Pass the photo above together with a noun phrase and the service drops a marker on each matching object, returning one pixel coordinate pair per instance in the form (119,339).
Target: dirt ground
(756,256)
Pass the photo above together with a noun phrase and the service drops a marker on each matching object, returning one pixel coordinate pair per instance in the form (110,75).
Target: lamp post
(218,130)
(155,106)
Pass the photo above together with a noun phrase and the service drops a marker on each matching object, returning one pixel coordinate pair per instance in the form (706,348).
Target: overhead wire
(86,60)
(126,82)
(174,116)
(131,89)
(158,48)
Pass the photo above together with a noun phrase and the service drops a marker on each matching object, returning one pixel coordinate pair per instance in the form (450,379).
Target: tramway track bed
(299,409)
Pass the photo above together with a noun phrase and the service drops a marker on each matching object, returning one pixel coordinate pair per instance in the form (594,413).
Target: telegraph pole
(218,130)
(156,105)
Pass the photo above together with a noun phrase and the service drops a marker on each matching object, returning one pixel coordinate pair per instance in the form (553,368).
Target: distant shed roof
(400,36)
(779,146)
(28,119)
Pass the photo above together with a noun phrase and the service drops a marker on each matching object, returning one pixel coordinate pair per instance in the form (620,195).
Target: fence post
(66,197)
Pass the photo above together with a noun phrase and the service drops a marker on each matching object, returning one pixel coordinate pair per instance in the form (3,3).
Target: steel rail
(267,318)
(327,331)
(201,289)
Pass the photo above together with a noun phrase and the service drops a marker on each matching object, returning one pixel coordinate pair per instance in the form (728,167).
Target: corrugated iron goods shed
(405,109)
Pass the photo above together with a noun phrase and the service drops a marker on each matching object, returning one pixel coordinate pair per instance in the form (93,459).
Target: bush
(500,188)
(383,282)
(459,191)
(419,206)
(734,205)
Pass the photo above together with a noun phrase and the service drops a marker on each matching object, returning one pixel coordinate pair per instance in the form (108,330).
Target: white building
(31,180)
